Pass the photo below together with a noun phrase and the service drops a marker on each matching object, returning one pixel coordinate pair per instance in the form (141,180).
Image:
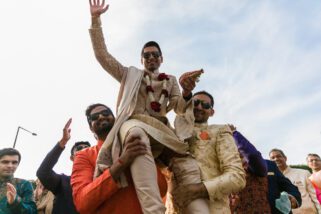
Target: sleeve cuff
(187,98)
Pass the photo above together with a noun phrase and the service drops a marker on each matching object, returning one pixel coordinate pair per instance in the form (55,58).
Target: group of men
(140,161)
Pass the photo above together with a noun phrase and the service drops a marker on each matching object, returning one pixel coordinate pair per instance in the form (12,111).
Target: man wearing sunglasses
(145,98)
(215,150)
(59,184)
(102,194)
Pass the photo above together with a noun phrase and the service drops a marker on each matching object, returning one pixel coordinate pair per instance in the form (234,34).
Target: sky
(262,63)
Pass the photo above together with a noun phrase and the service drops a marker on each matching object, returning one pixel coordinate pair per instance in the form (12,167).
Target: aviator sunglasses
(95,116)
(204,105)
(147,55)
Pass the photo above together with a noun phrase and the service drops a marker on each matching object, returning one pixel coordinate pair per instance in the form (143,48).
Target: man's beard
(201,118)
(104,129)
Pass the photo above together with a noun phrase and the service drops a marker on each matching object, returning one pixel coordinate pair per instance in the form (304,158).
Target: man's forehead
(151,49)
(313,158)
(9,158)
(98,109)
(202,97)
(276,153)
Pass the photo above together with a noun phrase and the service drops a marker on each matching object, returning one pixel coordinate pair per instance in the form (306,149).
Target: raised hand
(65,134)
(11,193)
(97,8)
(232,127)
(188,81)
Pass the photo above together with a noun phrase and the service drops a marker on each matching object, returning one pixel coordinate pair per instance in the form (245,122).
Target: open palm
(97,8)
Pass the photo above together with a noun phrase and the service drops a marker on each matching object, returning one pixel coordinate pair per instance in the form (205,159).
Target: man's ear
(161,59)
(212,112)
(142,60)
(72,157)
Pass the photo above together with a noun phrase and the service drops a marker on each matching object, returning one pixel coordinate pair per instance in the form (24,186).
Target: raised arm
(49,178)
(105,59)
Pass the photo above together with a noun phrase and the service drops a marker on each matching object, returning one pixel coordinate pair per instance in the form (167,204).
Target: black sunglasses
(155,54)
(80,147)
(95,116)
(204,105)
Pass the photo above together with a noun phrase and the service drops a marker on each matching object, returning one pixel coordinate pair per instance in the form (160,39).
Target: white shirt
(300,178)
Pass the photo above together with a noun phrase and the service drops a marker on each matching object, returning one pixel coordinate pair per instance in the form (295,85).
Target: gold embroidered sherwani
(221,167)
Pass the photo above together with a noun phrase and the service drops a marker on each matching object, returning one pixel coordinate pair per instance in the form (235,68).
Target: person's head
(314,162)
(203,106)
(100,119)
(78,146)
(278,156)
(9,161)
(151,56)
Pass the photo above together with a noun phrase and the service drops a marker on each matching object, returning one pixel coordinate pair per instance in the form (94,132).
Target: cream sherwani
(135,115)
(300,178)
(214,148)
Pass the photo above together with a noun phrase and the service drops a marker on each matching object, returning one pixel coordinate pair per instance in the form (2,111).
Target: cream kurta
(117,70)
(220,163)
(300,178)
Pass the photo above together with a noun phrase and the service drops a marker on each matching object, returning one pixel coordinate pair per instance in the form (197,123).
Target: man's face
(8,165)
(202,108)
(279,159)
(101,120)
(314,163)
(151,58)
(77,149)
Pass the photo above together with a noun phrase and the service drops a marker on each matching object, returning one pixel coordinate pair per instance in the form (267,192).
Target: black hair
(151,44)
(77,144)
(91,107)
(10,151)
(207,94)
(277,150)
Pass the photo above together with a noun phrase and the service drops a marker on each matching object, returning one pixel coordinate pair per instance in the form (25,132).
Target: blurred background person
(314,162)
(44,199)
(300,178)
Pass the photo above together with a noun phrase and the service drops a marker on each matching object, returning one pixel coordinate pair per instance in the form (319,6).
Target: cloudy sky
(262,62)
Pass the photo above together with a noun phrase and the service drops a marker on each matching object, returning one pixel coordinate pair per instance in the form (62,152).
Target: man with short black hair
(59,184)
(145,97)
(214,148)
(16,195)
(103,194)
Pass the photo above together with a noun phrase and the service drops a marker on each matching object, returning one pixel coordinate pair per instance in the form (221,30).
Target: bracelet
(120,161)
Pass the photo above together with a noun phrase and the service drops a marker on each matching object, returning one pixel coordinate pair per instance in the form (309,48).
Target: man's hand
(294,202)
(11,193)
(232,127)
(134,147)
(97,8)
(188,81)
(234,202)
(65,134)
(185,194)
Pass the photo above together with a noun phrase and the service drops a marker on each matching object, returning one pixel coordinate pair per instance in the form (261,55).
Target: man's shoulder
(88,153)
(300,171)
(219,128)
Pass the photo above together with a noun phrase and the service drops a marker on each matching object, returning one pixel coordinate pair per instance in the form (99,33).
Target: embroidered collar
(201,125)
